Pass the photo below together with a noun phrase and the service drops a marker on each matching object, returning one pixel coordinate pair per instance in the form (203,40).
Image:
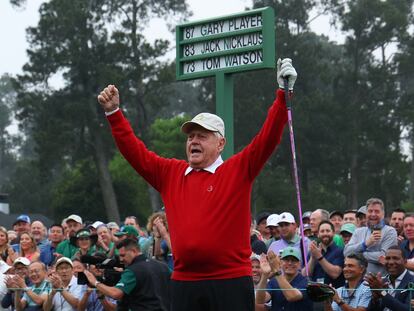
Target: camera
(109,277)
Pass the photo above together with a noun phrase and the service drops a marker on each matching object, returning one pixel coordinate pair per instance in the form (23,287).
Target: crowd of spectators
(368,258)
(49,268)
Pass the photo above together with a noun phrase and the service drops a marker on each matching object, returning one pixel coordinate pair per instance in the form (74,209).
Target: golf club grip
(286,87)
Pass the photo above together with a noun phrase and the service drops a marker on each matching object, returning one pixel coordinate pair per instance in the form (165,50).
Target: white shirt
(60,303)
(212,168)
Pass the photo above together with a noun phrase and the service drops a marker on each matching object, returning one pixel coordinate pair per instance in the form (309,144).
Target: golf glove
(286,70)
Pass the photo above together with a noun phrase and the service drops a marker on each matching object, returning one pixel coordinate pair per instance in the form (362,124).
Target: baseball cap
(286,217)
(209,121)
(96,224)
(334,213)
(112,225)
(4,267)
(22,260)
(64,260)
(272,220)
(75,218)
(306,215)
(262,216)
(290,251)
(307,227)
(23,218)
(348,227)
(130,230)
(362,210)
(255,257)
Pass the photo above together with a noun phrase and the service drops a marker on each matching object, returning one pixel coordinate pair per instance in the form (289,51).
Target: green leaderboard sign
(221,46)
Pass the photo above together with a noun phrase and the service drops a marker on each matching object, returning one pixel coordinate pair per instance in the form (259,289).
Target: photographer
(144,284)
(94,300)
(66,292)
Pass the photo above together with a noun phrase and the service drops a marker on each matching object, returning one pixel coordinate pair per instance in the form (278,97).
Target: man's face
(337,221)
(21,227)
(274,231)
(256,271)
(65,271)
(261,227)
(21,270)
(374,214)
(352,270)
(361,220)
(103,233)
(73,227)
(408,226)
(315,220)
(290,265)
(287,230)
(325,234)
(394,262)
(37,273)
(350,218)
(397,221)
(203,147)
(131,221)
(346,237)
(56,234)
(38,231)
(127,255)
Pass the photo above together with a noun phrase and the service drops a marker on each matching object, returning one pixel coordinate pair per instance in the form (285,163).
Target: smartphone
(82,279)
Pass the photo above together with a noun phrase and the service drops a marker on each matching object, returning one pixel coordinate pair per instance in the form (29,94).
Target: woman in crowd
(27,249)
(157,225)
(4,243)
(104,243)
(85,241)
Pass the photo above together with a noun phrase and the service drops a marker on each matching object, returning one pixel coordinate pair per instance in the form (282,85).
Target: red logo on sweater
(210,188)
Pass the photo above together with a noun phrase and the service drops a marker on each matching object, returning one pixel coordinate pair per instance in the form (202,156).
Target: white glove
(286,70)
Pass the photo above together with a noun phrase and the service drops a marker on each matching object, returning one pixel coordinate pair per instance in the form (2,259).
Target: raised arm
(270,135)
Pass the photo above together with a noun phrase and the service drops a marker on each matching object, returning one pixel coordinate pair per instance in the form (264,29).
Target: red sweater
(208,214)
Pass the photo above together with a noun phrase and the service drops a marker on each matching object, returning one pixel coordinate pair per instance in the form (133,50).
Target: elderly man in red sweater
(206,194)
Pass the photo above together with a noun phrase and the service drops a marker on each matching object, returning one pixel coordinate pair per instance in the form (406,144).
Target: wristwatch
(97,283)
(278,273)
(383,293)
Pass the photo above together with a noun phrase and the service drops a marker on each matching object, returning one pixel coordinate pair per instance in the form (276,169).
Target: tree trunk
(155,199)
(354,180)
(105,180)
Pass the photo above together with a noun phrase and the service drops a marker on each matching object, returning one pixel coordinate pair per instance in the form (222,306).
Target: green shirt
(338,241)
(127,282)
(66,249)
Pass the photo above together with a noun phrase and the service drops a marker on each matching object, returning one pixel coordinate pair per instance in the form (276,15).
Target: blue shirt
(359,298)
(295,242)
(405,246)
(279,301)
(94,304)
(46,255)
(335,256)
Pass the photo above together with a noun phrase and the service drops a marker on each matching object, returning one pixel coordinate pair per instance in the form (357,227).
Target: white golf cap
(286,217)
(97,224)
(206,120)
(4,267)
(272,220)
(75,218)
(64,260)
(22,260)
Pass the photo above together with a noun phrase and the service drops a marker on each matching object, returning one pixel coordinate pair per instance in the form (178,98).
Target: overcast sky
(14,22)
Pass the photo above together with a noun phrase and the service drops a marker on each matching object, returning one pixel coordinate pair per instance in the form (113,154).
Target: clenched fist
(109,98)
